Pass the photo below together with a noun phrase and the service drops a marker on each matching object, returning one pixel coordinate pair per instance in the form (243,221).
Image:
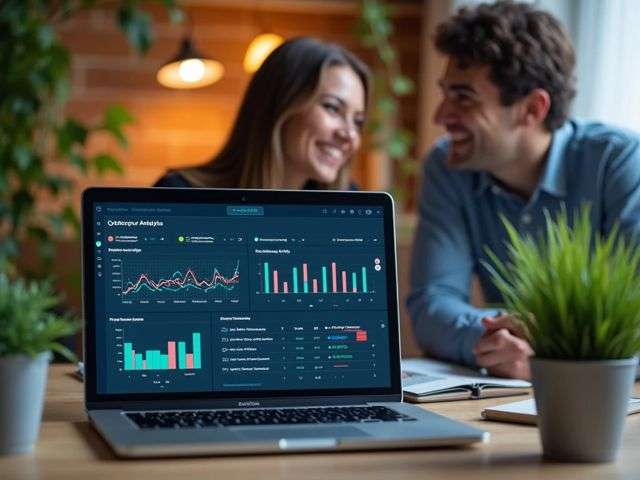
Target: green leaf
(56,222)
(387,105)
(372,12)
(79,161)
(22,156)
(8,248)
(387,54)
(399,144)
(115,118)
(397,147)
(21,106)
(136,25)
(21,203)
(176,14)
(63,351)
(402,85)
(70,217)
(104,163)
(71,133)
(37,233)
(45,36)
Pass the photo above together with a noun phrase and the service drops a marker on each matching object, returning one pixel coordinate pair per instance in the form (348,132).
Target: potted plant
(577,294)
(28,334)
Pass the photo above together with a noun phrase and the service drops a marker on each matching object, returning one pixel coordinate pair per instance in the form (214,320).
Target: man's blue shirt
(460,217)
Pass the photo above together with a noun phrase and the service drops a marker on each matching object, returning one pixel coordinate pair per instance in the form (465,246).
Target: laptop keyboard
(267,416)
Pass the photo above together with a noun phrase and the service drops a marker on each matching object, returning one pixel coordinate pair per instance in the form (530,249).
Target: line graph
(190,280)
(179,281)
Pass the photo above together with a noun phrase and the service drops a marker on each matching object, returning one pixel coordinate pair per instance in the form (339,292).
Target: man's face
(483,132)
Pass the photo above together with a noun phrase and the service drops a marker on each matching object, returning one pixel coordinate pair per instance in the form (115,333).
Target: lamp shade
(259,49)
(189,69)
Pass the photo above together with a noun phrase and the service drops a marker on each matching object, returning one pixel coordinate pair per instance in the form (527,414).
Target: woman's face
(322,137)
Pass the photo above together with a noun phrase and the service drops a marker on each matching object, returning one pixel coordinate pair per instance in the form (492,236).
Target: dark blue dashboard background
(250,339)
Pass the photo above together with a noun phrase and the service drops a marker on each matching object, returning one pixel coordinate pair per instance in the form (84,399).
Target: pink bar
(344,282)
(355,290)
(305,275)
(144,364)
(275,281)
(333,276)
(133,360)
(171,350)
(189,360)
(285,287)
(315,286)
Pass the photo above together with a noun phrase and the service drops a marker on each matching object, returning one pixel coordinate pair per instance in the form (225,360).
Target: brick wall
(176,128)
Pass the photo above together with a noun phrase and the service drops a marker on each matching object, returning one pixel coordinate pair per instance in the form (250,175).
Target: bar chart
(319,281)
(171,360)
(160,351)
(330,278)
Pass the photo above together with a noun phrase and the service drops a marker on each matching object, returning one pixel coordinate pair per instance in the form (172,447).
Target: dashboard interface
(238,298)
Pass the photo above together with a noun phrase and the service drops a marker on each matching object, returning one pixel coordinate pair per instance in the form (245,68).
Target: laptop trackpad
(268,433)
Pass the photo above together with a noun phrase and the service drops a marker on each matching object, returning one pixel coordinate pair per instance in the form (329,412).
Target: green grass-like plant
(27,324)
(576,293)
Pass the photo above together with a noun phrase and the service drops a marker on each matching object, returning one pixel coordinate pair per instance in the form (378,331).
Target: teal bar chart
(168,359)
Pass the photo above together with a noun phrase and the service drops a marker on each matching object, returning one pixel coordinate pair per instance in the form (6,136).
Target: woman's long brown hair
(287,80)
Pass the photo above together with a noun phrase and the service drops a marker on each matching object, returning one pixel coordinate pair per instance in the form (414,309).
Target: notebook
(524,411)
(428,380)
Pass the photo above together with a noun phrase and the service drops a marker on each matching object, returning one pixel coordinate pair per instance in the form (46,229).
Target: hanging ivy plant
(374,30)
(34,133)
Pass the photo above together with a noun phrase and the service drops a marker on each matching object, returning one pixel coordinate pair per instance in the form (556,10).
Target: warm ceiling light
(189,69)
(259,49)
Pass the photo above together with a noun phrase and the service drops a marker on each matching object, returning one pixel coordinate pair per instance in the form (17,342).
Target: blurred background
(81,103)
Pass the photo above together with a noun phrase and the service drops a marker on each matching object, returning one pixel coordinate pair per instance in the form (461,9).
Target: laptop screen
(236,298)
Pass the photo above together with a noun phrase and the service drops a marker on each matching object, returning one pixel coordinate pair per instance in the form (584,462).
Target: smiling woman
(299,125)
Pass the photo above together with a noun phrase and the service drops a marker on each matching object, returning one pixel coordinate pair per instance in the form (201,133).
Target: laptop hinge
(240,403)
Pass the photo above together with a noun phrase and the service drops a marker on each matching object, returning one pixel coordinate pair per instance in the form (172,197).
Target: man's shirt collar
(553,180)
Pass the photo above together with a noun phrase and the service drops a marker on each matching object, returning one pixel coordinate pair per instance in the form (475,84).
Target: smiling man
(511,150)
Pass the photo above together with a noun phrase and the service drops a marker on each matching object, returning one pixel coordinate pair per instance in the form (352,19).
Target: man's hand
(502,349)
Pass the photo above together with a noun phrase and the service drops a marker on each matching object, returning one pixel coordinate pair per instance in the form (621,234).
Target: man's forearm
(446,326)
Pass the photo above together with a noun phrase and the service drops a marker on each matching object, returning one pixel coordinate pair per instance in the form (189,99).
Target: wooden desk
(70,449)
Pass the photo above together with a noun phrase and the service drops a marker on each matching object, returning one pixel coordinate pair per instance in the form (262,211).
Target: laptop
(244,322)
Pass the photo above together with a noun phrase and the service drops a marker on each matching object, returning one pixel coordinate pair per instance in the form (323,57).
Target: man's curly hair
(524,48)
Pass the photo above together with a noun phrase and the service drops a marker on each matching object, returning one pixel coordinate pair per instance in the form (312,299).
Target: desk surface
(69,449)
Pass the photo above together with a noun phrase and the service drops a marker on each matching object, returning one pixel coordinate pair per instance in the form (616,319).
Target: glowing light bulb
(259,49)
(191,70)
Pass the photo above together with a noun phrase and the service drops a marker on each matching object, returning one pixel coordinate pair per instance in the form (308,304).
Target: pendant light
(189,68)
